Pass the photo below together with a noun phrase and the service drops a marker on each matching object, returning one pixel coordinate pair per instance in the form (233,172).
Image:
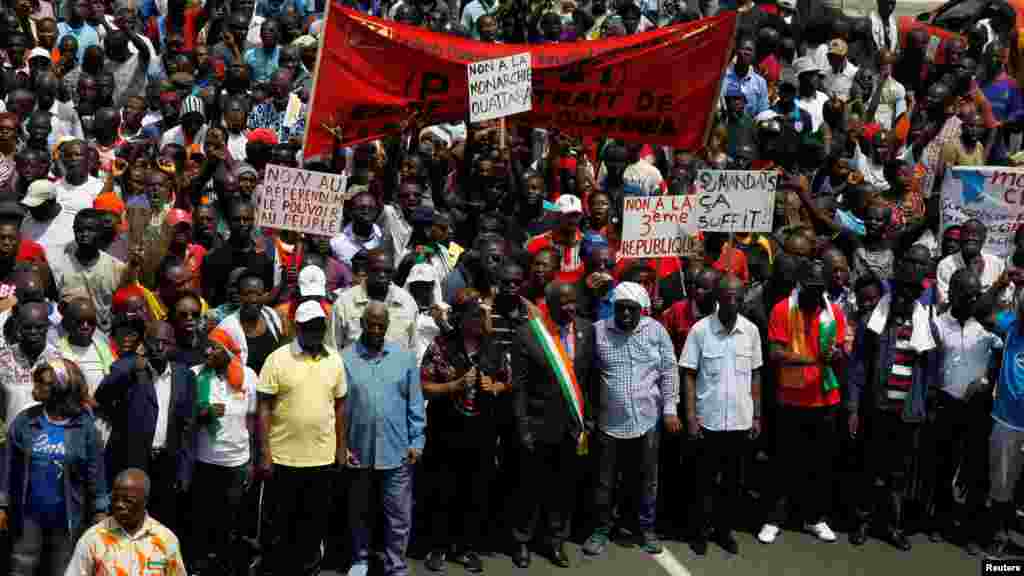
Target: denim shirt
(384,412)
(85,485)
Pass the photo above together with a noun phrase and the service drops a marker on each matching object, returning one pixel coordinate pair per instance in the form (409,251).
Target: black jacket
(542,412)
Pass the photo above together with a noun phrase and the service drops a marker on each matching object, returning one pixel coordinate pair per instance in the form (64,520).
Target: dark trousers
(165,503)
(961,433)
(370,493)
(805,449)
(718,453)
(220,489)
(548,476)
(637,459)
(299,499)
(888,456)
(461,476)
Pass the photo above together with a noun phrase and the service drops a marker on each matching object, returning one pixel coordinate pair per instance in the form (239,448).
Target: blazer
(541,411)
(127,397)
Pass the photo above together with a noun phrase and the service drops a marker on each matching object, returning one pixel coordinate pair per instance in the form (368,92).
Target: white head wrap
(631,292)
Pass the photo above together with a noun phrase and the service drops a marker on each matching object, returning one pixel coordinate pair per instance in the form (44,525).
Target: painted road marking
(667,560)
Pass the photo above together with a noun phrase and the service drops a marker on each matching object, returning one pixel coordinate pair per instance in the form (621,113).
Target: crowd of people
(470,366)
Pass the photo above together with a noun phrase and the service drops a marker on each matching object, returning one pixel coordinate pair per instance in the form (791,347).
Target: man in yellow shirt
(302,432)
(129,541)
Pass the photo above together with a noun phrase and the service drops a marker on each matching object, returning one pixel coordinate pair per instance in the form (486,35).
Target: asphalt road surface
(793,554)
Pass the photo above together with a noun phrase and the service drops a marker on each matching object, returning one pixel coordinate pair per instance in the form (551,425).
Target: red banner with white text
(658,87)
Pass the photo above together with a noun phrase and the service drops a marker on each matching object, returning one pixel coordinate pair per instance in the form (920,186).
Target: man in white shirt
(892,103)
(839,78)
(47,222)
(396,220)
(809,97)
(988,268)
(962,411)
(78,189)
(81,342)
(722,359)
(362,233)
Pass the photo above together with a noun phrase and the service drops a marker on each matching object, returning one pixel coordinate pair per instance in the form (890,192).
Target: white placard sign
(992,194)
(725,201)
(301,200)
(500,87)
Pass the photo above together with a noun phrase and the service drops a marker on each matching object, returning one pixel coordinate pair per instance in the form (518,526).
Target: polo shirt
(801,386)
(725,362)
(304,389)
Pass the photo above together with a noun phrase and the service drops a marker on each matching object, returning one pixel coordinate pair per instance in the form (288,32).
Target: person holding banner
(552,408)
(988,267)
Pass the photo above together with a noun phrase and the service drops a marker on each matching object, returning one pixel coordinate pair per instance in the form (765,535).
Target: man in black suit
(148,400)
(550,429)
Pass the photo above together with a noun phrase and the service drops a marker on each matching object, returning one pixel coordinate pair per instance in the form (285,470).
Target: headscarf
(632,292)
(235,376)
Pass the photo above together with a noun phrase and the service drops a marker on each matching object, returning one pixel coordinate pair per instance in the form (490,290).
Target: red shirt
(571,263)
(678,320)
(802,385)
(663,266)
(734,260)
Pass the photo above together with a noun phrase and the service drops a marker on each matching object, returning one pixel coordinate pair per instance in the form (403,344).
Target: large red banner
(658,87)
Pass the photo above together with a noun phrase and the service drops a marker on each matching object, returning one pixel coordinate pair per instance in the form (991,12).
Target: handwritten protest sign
(992,194)
(726,201)
(500,87)
(301,200)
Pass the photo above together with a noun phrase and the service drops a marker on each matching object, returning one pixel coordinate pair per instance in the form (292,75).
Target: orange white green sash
(560,364)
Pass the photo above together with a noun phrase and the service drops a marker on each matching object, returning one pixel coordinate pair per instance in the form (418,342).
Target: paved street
(792,554)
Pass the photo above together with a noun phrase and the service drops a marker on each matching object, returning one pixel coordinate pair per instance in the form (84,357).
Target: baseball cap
(421,273)
(38,192)
(308,311)
(838,47)
(39,53)
(178,216)
(568,204)
(312,282)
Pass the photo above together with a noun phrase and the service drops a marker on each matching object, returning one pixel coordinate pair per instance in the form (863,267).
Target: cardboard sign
(301,200)
(994,195)
(500,87)
(656,87)
(726,201)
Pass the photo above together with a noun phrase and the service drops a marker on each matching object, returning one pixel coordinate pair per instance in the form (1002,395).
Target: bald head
(133,479)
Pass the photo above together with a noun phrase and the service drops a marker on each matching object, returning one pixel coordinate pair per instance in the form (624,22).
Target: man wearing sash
(552,371)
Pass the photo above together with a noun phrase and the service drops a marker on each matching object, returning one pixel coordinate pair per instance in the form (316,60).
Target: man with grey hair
(118,544)
(386,423)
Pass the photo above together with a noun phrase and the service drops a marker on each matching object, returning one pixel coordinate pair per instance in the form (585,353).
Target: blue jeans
(393,490)
(637,459)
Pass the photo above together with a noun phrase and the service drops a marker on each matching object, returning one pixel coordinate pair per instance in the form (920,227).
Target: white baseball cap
(421,273)
(38,192)
(309,310)
(312,282)
(568,204)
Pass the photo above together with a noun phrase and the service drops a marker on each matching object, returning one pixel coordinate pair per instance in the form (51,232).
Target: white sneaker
(768,533)
(822,531)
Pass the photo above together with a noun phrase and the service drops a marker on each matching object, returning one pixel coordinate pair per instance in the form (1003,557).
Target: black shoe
(471,562)
(435,561)
(859,535)
(558,556)
(727,542)
(898,539)
(973,548)
(521,556)
(699,545)
(996,550)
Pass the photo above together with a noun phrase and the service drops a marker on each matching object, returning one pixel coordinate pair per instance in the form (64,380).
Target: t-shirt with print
(46,476)
(1008,407)
(229,445)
